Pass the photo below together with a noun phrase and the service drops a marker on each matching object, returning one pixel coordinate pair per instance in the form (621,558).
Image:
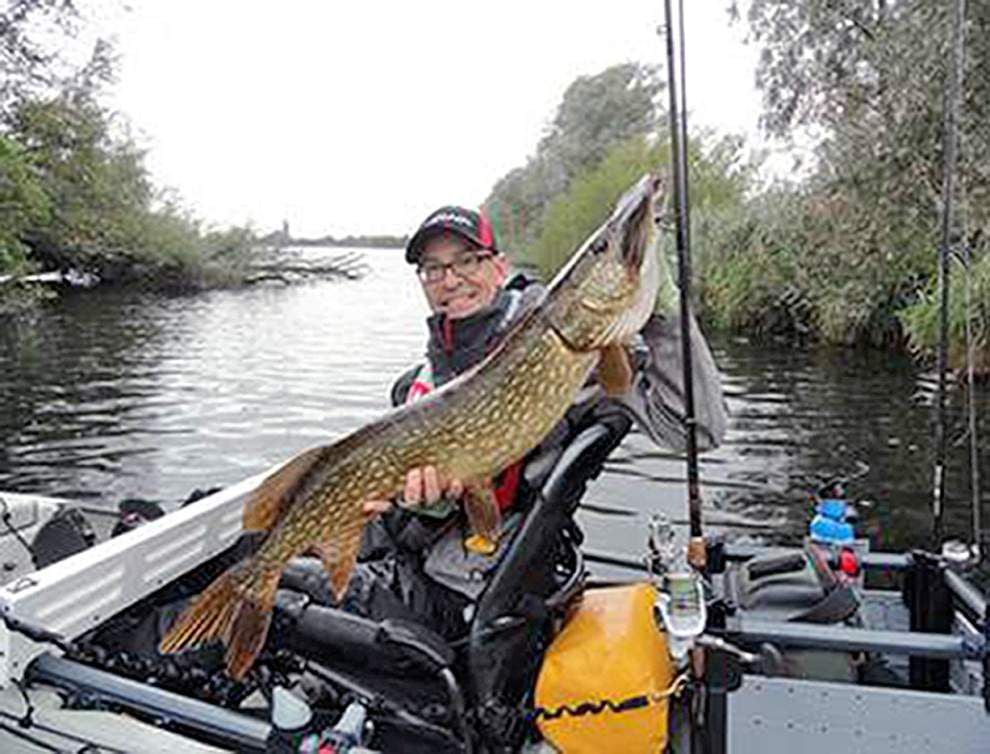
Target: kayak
(821,645)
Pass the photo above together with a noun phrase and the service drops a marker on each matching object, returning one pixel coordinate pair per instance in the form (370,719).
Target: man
(413,563)
(462,273)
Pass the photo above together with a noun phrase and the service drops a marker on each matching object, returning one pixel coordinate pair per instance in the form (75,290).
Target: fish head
(607,290)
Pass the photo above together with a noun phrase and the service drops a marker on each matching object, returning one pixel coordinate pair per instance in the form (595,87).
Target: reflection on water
(107,395)
(117,394)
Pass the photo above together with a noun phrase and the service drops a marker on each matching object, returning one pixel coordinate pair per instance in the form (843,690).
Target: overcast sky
(362,117)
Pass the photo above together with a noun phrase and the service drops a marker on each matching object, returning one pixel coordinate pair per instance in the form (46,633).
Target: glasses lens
(430,273)
(467,264)
(464,266)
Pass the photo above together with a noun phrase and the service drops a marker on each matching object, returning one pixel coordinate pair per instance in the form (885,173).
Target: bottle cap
(289,712)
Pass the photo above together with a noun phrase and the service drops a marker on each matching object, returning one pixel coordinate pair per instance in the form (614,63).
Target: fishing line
(966,257)
(974,452)
(44,728)
(967,260)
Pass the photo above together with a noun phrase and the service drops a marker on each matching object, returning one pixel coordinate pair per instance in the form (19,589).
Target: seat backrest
(511,625)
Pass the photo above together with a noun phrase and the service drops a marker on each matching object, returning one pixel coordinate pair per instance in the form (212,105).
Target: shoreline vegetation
(282,238)
(78,207)
(844,251)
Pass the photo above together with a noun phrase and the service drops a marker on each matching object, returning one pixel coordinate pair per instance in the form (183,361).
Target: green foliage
(870,79)
(85,201)
(23,202)
(97,184)
(596,113)
(794,262)
(921,319)
(719,182)
(749,277)
(576,212)
(32,39)
(74,189)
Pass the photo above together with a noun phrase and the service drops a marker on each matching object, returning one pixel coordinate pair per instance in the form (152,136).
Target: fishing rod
(950,140)
(678,144)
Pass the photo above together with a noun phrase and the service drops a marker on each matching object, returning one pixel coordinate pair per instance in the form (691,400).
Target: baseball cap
(469,224)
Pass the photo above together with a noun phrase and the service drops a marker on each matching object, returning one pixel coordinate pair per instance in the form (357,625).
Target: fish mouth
(634,219)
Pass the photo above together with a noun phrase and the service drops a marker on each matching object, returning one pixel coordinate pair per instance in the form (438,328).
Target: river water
(106,395)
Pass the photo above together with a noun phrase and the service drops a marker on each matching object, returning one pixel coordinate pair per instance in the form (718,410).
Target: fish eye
(600,245)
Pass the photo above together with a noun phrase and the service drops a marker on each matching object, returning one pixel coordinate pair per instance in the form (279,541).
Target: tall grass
(921,319)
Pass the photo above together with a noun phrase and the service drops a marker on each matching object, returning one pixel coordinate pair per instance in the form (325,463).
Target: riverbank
(242,265)
(784,265)
(781,265)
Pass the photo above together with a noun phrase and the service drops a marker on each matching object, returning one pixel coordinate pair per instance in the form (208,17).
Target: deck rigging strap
(26,723)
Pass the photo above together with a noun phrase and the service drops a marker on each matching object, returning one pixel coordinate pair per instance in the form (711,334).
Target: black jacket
(456,345)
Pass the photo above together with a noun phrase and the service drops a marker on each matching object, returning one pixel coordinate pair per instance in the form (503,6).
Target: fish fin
(615,372)
(247,634)
(228,610)
(208,616)
(484,518)
(271,498)
(339,557)
(344,566)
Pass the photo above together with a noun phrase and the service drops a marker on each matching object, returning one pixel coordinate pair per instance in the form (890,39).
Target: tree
(596,113)
(23,203)
(870,78)
(32,35)
(719,182)
(97,183)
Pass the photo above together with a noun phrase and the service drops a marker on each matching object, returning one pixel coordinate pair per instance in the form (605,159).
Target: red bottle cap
(848,562)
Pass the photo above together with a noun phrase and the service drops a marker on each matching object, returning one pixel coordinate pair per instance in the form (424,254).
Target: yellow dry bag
(610,651)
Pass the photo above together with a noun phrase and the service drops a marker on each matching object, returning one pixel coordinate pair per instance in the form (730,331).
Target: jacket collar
(457,344)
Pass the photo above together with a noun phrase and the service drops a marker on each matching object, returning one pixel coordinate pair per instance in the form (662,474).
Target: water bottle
(829,526)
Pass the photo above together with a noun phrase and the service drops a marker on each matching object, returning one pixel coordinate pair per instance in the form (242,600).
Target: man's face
(458,278)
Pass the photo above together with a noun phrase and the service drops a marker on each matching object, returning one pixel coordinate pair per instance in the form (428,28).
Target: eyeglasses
(463,266)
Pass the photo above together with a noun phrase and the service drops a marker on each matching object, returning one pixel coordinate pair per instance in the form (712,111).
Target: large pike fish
(470,429)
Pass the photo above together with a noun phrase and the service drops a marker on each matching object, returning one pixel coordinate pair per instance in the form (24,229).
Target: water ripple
(117,394)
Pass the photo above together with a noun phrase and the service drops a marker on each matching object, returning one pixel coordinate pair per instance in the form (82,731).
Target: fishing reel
(680,608)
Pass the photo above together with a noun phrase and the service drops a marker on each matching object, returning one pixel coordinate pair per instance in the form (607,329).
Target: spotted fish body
(470,429)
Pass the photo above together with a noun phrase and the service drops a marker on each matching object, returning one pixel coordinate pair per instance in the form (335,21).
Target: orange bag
(609,649)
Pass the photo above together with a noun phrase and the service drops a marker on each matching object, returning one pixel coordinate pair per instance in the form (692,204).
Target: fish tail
(237,609)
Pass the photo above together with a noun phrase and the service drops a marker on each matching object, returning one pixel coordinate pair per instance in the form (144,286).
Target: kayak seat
(788,587)
(515,614)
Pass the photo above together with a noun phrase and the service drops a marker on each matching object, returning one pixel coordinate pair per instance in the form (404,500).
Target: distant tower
(285,230)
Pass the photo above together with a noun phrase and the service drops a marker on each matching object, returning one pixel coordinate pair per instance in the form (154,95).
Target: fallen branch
(350,266)
(70,277)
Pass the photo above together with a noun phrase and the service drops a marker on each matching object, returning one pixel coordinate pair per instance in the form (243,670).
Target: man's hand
(424,486)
